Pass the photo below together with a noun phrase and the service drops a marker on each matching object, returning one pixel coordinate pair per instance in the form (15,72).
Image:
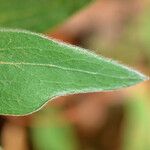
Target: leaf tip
(143,77)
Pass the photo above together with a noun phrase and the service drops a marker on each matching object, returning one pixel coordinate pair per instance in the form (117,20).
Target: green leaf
(37,15)
(136,132)
(50,129)
(34,69)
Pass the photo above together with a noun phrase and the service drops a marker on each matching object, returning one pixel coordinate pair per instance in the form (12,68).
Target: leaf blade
(35,69)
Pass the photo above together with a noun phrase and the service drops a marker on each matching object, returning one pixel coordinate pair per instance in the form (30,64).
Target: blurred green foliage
(37,15)
(137,125)
(51,131)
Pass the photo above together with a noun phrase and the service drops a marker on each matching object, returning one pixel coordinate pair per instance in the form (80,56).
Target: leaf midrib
(63,68)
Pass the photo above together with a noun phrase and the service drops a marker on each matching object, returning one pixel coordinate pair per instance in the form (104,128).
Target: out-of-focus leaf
(137,126)
(37,15)
(34,69)
(50,131)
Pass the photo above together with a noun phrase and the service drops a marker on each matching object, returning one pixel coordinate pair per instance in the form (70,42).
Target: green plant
(37,15)
(35,69)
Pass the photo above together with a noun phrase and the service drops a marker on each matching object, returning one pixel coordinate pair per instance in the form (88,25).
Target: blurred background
(117,120)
